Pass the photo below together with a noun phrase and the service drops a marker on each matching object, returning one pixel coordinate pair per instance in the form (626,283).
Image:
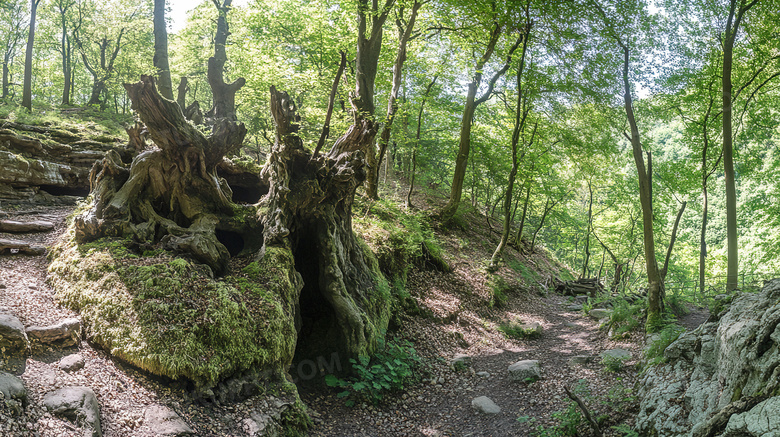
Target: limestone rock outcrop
(722,379)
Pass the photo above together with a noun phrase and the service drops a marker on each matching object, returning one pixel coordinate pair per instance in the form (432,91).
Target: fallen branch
(593,424)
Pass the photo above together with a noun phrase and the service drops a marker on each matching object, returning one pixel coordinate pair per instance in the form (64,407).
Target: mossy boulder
(169,316)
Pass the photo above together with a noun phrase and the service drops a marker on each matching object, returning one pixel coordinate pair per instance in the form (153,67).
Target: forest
(301,178)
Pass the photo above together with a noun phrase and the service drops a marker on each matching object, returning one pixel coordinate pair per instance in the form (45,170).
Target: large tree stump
(171,192)
(344,303)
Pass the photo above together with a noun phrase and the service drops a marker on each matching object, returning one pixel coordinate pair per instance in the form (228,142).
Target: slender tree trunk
(160,60)
(224,94)
(27,87)
(665,269)
(5,78)
(655,288)
(464,145)
(417,139)
(519,238)
(181,95)
(730,34)
(521,114)
(65,48)
(372,183)
(587,234)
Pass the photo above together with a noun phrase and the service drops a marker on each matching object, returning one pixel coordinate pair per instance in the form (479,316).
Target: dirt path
(459,321)
(441,405)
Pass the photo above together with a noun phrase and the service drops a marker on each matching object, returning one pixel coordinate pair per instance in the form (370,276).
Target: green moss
(169,317)
(295,421)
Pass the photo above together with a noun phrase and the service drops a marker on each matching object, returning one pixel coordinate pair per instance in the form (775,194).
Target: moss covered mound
(169,316)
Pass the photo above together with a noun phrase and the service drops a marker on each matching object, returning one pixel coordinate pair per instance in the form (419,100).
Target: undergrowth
(666,336)
(394,366)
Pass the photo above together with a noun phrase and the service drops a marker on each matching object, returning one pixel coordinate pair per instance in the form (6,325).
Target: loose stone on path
(485,405)
(77,404)
(525,370)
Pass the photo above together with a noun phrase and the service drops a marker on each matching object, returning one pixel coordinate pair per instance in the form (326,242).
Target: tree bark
(27,87)
(417,140)
(170,194)
(404,34)
(464,145)
(655,288)
(160,59)
(310,210)
(665,268)
(587,234)
(224,94)
(521,115)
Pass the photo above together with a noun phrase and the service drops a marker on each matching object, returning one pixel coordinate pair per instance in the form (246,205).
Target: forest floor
(460,320)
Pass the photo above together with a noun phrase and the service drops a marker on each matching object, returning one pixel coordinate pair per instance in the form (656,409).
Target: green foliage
(398,237)
(393,366)
(499,289)
(614,364)
(666,336)
(517,331)
(626,317)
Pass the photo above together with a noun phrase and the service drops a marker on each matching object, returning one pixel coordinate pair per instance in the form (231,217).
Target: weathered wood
(22,247)
(585,286)
(14,226)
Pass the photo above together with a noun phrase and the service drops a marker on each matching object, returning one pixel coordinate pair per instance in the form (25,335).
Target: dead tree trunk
(224,94)
(309,203)
(171,193)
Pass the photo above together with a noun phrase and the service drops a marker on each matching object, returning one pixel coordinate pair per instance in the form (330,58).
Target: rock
(12,335)
(65,333)
(600,313)
(581,299)
(71,363)
(712,367)
(574,307)
(618,354)
(525,370)
(267,419)
(762,420)
(77,404)
(485,405)
(580,360)
(460,361)
(12,388)
(483,374)
(533,329)
(163,421)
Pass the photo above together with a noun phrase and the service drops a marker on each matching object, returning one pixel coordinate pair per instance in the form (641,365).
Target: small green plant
(625,317)
(394,366)
(625,430)
(569,421)
(666,336)
(500,288)
(613,363)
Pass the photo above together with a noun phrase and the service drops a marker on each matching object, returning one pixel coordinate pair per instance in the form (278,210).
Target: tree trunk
(464,145)
(224,94)
(521,114)
(729,36)
(310,198)
(170,194)
(587,234)
(160,59)
(372,183)
(655,288)
(665,269)
(181,97)
(5,79)
(65,50)
(27,87)
(519,237)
